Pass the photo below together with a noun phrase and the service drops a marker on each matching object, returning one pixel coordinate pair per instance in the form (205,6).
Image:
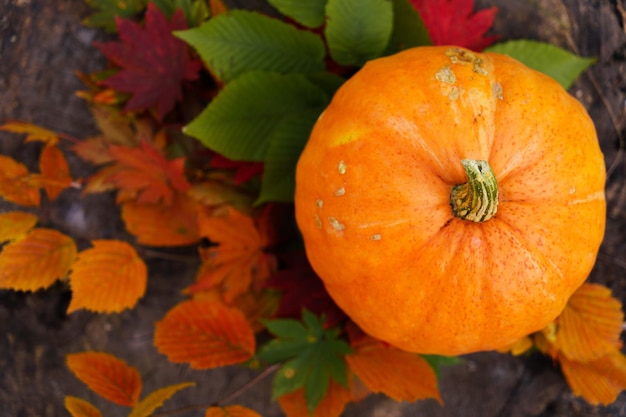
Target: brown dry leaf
(599,381)
(332,405)
(78,407)
(231,411)
(159,225)
(155,399)
(15,184)
(15,224)
(37,260)
(93,150)
(33,132)
(55,171)
(205,334)
(107,376)
(590,325)
(238,261)
(400,375)
(107,278)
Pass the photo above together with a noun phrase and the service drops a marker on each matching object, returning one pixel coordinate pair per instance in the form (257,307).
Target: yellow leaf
(156,399)
(107,376)
(590,325)
(599,381)
(205,334)
(231,411)
(55,171)
(33,132)
(109,277)
(519,347)
(400,375)
(78,407)
(15,185)
(332,405)
(37,260)
(15,224)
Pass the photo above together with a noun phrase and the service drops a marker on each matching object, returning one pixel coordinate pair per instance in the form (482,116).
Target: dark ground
(41,45)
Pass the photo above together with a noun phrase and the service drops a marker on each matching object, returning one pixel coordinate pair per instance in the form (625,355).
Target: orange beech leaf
(238,261)
(33,132)
(400,375)
(107,376)
(332,405)
(55,171)
(78,407)
(107,278)
(599,381)
(205,334)
(159,225)
(15,224)
(155,399)
(145,172)
(93,150)
(37,260)
(590,325)
(15,184)
(231,411)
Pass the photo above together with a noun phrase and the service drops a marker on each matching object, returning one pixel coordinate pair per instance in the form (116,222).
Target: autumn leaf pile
(202,115)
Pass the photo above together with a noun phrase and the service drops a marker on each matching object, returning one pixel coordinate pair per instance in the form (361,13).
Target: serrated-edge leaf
(286,328)
(242,120)
(564,66)
(309,13)
(238,42)
(78,407)
(15,224)
(408,28)
(358,30)
(291,376)
(156,399)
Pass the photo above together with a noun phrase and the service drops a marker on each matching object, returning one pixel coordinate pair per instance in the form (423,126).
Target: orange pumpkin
(451,201)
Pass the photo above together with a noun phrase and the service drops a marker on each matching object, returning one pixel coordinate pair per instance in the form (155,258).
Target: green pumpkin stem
(477,199)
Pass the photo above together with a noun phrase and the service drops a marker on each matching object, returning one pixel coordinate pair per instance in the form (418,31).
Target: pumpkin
(451,201)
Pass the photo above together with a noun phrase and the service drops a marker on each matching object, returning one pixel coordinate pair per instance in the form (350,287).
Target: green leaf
(565,67)
(195,11)
(309,13)
(242,121)
(240,41)
(358,30)
(408,28)
(437,362)
(319,357)
(327,81)
(105,12)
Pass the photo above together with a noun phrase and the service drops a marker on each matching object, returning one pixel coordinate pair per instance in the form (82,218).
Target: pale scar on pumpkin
(341,191)
(377,236)
(335,224)
(319,203)
(446,75)
(342,167)
(496,90)
(462,56)
(318,221)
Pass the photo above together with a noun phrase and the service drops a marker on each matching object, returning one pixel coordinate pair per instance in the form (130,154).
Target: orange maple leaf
(15,225)
(37,260)
(332,405)
(238,261)
(107,376)
(109,277)
(400,375)
(155,399)
(55,171)
(161,225)
(143,173)
(78,407)
(205,334)
(15,183)
(231,411)
(33,132)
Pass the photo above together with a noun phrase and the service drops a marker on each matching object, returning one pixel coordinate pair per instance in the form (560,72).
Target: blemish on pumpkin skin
(336,225)
(446,75)
(461,56)
(318,221)
(377,236)
(319,203)
(340,192)
(454,93)
(342,167)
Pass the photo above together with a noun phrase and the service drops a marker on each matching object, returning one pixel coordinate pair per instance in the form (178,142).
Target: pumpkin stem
(477,199)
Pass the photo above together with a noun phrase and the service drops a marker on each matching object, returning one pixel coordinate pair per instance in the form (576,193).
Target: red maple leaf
(452,22)
(153,62)
(244,170)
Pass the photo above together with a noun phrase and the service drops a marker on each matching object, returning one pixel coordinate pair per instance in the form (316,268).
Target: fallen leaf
(15,185)
(55,171)
(244,171)
(205,334)
(107,375)
(78,407)
(453,22)
(107,278)
(332,405)
(37,260)
(155,399)
(93,150)
(231,411)
(153,62)
(217,7)
(15,225)
(33,132)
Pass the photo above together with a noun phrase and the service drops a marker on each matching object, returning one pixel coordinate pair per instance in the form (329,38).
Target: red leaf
(106,375)
(153,62)
(244,171)
(452,22)
(205,334)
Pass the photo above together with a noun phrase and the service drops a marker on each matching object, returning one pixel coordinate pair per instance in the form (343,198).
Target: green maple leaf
(311,355)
